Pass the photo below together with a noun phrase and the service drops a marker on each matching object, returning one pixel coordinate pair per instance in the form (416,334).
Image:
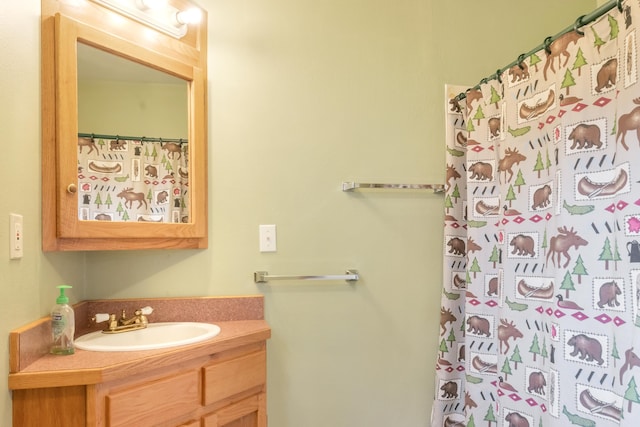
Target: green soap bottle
(63,324)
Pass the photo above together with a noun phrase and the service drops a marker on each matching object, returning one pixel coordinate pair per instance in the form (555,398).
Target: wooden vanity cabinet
(226,389)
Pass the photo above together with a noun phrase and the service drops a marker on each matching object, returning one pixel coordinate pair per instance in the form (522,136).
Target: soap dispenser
(63,324)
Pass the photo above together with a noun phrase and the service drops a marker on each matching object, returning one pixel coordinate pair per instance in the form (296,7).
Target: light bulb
(189,16)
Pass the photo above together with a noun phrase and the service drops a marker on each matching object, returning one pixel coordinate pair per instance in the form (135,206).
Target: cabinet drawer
(224,379)
(148,404)
(241,414)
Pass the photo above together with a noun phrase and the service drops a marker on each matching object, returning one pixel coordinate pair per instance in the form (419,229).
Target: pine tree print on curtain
(450,363)
(549,239)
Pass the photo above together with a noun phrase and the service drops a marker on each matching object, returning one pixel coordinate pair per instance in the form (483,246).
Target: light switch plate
(16,237)
(268,238)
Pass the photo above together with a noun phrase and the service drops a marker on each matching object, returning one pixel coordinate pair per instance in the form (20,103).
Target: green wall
(133,109)
(302,96)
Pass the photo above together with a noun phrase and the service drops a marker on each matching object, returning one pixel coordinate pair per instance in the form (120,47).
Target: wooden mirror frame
(64,24)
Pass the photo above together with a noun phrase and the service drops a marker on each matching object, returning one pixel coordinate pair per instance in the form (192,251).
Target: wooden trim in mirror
(63,26)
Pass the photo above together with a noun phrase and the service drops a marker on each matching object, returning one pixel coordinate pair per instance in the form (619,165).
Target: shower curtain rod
(134,138)
(580,22)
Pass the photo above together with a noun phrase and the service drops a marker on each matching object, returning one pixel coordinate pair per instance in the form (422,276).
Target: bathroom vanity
(215,383)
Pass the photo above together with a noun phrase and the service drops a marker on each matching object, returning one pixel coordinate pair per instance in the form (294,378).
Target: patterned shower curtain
(132,180)
(539,316)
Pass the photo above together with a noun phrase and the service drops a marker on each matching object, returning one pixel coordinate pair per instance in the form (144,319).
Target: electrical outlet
(268,238)
(16,237)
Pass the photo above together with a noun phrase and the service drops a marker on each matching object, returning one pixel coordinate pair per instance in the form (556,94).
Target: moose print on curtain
(133,180)
(539,315)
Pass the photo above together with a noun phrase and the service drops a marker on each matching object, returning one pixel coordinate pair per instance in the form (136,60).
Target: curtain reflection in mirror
(133,180)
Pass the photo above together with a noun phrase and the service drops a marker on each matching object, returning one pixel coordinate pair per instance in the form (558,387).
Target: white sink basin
(154,336)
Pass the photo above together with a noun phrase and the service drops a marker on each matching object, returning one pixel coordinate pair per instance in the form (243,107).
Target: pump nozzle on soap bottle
(63,324)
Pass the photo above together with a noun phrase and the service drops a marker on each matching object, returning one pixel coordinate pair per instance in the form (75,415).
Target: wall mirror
(132,141)
(124,132)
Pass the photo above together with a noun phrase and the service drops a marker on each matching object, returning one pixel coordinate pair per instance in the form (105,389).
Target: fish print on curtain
(132,180)
(539,318)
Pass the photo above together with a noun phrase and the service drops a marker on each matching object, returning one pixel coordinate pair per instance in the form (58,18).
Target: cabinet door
(96,204)
(55,407)
(250,412)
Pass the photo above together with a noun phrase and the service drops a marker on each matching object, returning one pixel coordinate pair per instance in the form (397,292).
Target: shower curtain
(132,180)
(539,315)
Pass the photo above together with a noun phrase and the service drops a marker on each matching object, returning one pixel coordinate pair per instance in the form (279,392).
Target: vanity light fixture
(157,14)
(150,4)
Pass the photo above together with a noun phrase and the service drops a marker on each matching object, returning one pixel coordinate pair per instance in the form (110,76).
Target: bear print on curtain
(133,180)
(539,316)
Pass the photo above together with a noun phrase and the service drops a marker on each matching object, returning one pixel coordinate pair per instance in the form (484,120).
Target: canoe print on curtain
(133,180)
(539,316)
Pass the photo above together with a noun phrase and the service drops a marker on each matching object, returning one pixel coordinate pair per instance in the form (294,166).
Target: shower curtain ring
(521,60)
(578,24)
(546,44)
(620,5)
(498,77)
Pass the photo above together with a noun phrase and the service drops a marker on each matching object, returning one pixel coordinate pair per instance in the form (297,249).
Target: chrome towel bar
(263,277)
(350,186)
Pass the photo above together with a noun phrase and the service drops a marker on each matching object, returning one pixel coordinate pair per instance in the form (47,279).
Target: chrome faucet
(124,324)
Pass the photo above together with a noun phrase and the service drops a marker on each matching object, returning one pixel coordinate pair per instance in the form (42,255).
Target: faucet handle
(101,317)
